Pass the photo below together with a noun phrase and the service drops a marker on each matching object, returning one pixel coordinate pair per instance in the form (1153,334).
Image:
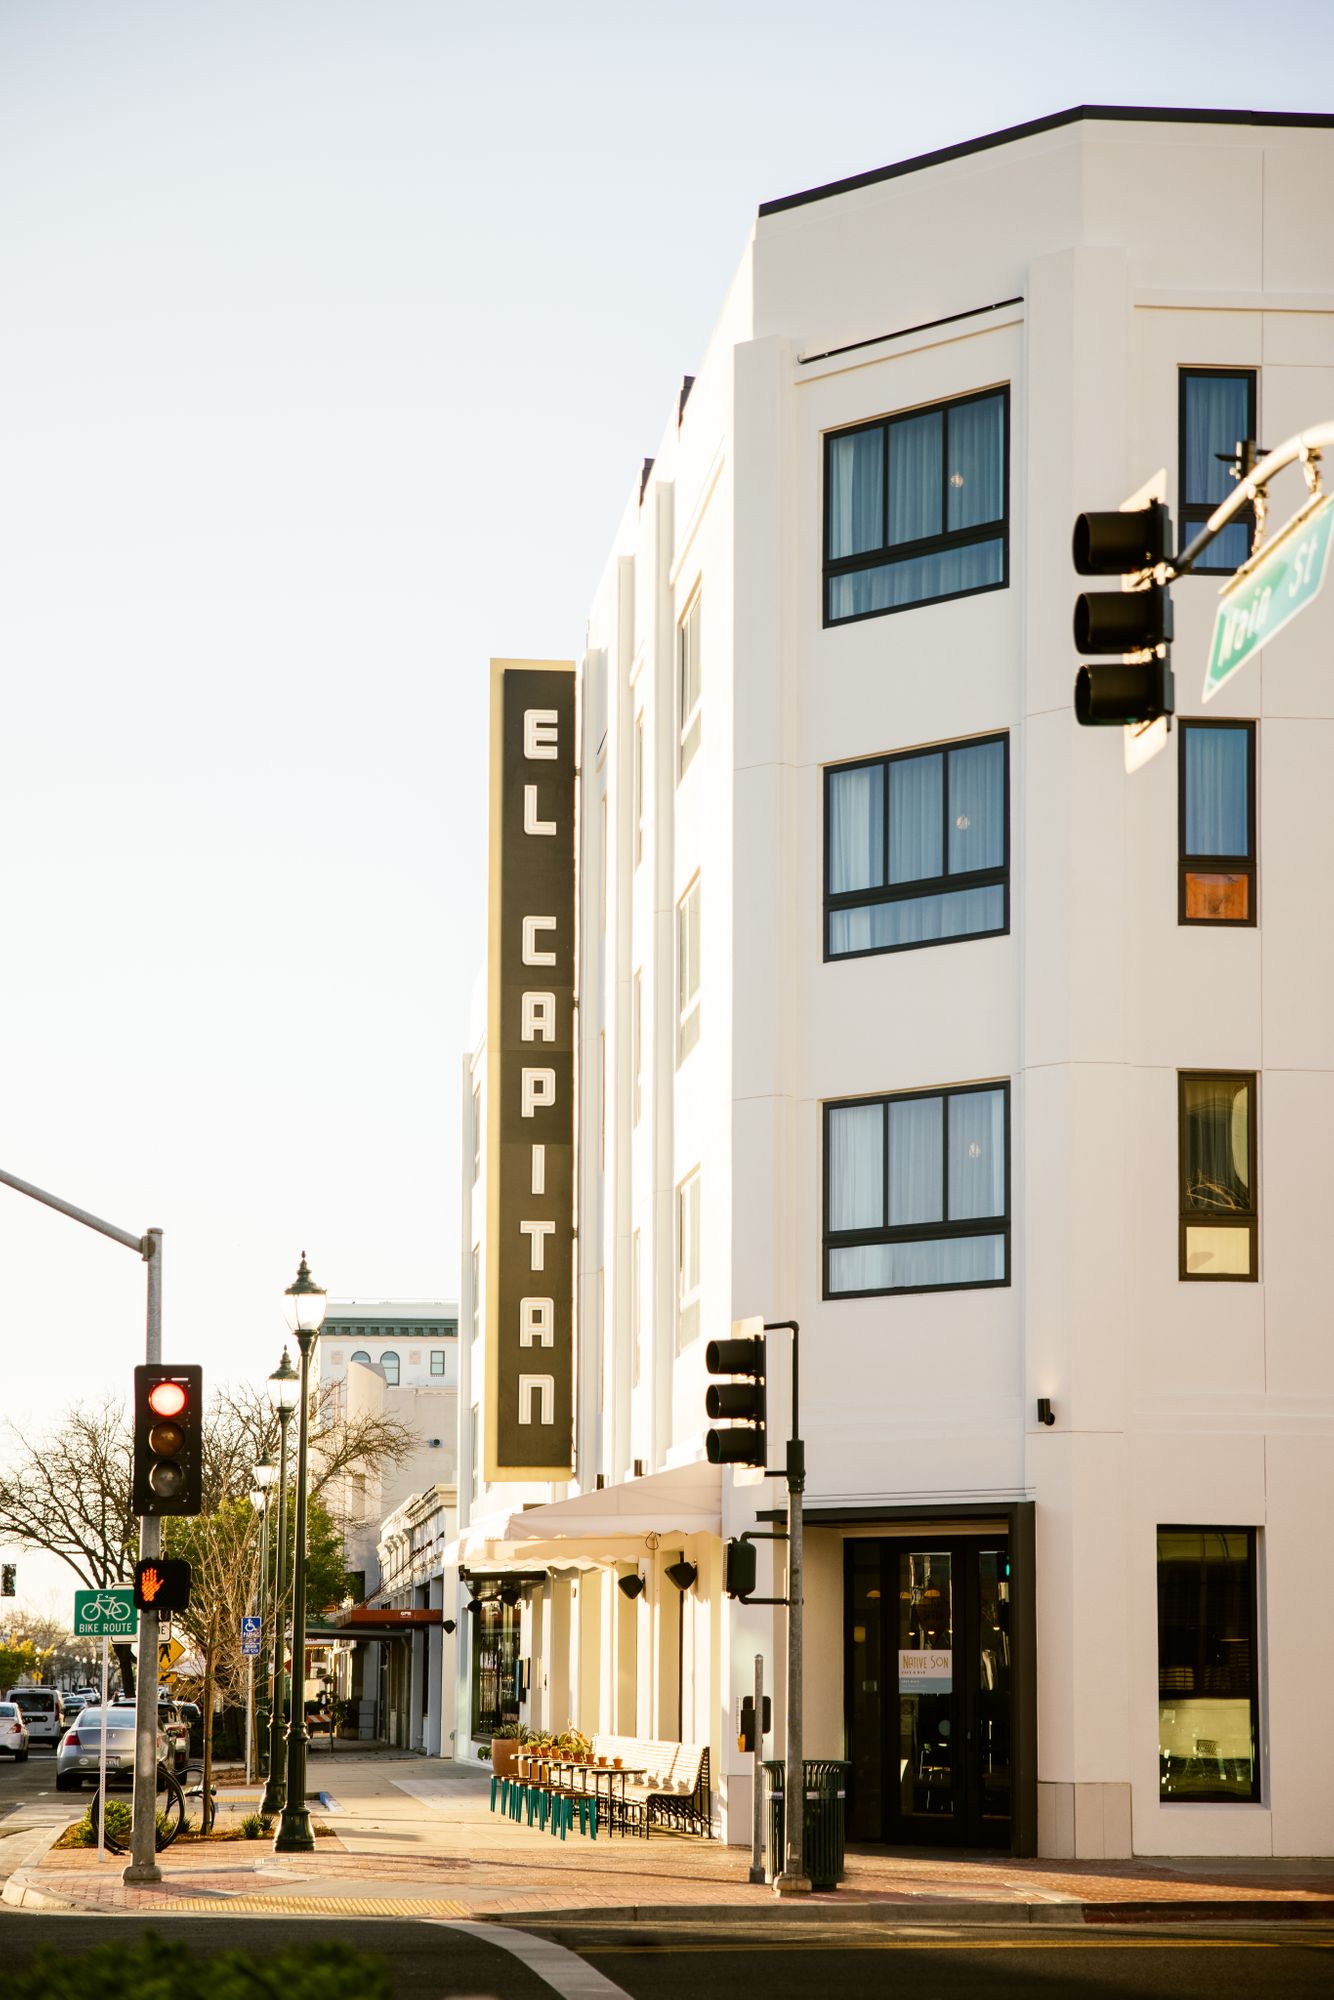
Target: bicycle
(208,1808)
(169,1822)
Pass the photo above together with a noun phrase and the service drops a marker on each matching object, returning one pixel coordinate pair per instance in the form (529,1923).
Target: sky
(332,336)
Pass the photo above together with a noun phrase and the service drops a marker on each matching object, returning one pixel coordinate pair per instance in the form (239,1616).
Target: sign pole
(757,1780)
(102,1763)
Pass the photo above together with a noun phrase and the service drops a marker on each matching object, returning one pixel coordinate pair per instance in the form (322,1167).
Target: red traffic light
(167,1399)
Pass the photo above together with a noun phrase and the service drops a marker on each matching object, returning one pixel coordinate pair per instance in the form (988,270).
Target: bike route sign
(106,1614)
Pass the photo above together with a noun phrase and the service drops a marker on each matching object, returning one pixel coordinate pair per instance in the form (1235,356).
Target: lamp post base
(792,1885)
(274,1799)
(133,1874)
(295,1834)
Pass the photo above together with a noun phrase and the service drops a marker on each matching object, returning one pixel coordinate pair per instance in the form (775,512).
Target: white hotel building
(906,1013)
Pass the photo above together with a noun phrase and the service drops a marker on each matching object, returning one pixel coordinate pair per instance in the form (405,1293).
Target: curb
(933,1911)
(20,1893)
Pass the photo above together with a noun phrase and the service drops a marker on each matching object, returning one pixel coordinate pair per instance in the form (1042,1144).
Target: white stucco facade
(1056,266)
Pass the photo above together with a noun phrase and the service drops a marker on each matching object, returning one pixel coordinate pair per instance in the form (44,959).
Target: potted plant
(505,1747)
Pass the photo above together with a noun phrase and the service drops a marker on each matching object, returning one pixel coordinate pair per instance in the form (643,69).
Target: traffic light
(747,1739)
(740,1401)
(168,1439)
(162,1583)
(739,1568)
(8,1574)
(1135,621)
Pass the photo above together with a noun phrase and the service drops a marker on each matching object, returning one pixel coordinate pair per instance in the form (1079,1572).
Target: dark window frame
(1215,864)
(1252,1534)
(1200,1218)
(915,1232)
(438,1354)
(925,545)
(1195,513)
(933,885)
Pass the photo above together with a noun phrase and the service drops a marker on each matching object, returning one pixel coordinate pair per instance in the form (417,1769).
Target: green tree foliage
(18,1663)
(159,1968)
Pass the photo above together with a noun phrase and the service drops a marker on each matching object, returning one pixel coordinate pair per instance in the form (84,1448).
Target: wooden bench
(667,1785)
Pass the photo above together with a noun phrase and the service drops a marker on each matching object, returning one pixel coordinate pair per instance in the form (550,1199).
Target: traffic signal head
(1124,691)
(8,1578)
(739,1403)
(739,1568)
(168,1440)
(1120,544)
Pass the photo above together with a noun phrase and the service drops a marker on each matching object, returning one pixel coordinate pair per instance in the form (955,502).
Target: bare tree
(69,1492)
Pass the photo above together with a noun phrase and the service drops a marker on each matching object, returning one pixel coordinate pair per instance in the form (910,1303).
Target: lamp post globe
(305,1304)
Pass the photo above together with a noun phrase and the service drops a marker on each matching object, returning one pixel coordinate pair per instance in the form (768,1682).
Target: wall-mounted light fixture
(1046,1414)
(449,1625)
(681,1573)
(630,1586)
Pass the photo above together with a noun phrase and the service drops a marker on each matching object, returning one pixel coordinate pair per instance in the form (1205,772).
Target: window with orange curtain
(1216,822)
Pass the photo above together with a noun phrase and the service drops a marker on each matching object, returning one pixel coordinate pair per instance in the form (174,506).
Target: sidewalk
(415,1837)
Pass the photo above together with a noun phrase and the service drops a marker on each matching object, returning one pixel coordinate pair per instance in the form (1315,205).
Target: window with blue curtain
(1218,411)
(917,508)
(917,1192)
(1216,822)
(917,848)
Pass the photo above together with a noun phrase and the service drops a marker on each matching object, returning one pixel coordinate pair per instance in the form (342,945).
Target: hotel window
(1216,823)
(1218,1175)
(636,1310)
(475,1287)
(916,507)
(474,1447)
(1208,1708)
(917,848)
(687,1261)
(687,971)
(389,1366)
(688,685)
(917,1192)
(362,1356)
(437,1360)
(1217,411)
(639,787)
(637,1046)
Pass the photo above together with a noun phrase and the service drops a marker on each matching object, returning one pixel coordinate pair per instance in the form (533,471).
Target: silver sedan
(79,1751)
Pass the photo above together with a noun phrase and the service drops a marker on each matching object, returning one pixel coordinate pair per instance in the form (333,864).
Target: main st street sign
(1270,590)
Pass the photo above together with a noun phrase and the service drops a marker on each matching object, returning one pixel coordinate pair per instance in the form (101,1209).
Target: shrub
(158,1968)
(255,1825)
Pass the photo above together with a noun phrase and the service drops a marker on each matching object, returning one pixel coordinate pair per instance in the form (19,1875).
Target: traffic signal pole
(143,1841)
(793,1881)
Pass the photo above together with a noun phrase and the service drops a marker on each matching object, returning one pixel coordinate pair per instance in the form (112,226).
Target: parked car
(72,1703)
(43,1711)
(77,1758)
(170,1724)
(13,1732)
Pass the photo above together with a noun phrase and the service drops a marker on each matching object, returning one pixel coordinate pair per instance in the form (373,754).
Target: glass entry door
(927,1677)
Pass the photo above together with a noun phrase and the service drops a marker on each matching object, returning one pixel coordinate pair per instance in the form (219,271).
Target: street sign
(1269,592)
(250,1638)
(168,1655)
(106,1614)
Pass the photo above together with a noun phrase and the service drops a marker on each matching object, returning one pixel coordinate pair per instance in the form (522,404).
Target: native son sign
(530,1071)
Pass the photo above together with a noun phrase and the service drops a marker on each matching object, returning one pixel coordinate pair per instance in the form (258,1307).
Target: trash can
(824,1824)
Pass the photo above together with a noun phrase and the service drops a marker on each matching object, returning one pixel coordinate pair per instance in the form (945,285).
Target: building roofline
(1150,114)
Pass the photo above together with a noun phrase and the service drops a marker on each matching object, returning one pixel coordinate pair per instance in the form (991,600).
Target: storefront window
(1207,1709)
(495,1666)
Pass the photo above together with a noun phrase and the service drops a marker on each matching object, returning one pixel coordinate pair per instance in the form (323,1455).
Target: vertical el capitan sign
(531,1073)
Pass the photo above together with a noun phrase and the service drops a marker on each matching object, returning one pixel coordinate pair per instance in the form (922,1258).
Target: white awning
(612,1525)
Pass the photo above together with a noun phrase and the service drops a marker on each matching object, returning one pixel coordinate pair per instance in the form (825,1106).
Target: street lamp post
(305,1315)
(265,1472)
(284,1388)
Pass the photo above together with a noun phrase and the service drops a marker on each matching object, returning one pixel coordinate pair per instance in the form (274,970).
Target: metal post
(102,1762)
(757,1779)
(794,1881)
(275,1789)
(143,1824)
(256,1694)
(295,1835)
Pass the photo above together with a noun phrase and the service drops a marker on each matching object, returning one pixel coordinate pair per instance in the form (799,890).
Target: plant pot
(504,1751)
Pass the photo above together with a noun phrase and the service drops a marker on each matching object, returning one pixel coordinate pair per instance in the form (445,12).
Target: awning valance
(614,1524)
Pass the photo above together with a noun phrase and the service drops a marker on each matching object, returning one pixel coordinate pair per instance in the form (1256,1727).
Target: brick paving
(416,1842)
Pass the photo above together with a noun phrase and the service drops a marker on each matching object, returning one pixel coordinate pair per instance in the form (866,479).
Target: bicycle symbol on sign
(104,1605)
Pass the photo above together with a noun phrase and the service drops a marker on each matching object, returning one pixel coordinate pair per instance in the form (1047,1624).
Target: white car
(43,1711)
(13,1732)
